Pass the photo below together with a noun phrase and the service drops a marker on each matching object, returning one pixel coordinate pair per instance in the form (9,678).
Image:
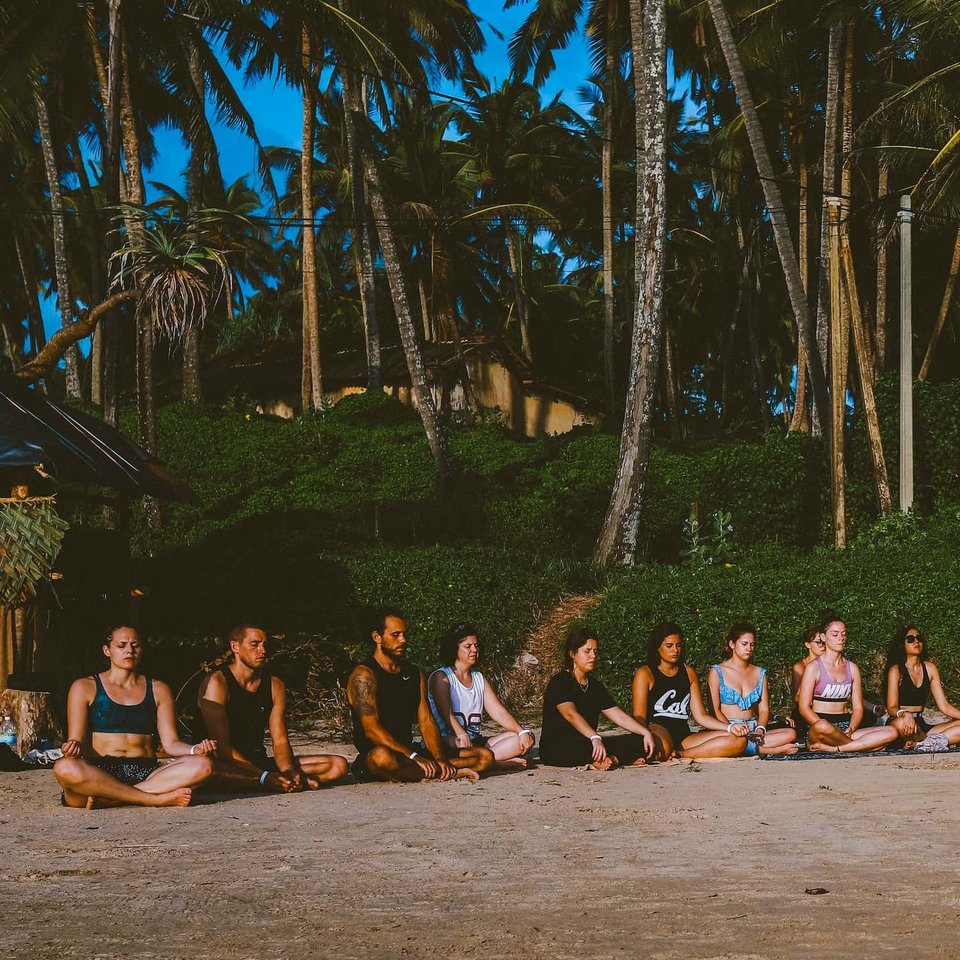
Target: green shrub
(885,578)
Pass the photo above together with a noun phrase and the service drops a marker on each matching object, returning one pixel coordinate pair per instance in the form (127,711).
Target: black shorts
(678,729)
(131,771)
(626,747)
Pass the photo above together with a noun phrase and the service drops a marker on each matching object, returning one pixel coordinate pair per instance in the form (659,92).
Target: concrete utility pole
(838,374)
(906,357)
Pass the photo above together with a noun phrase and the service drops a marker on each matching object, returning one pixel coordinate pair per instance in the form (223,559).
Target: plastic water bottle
(8,734)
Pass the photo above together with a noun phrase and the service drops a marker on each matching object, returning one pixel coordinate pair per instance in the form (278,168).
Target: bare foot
(639,762)
(465,773)
(607,763)
(517,763)
(311,783)
(101,803)
(172,798)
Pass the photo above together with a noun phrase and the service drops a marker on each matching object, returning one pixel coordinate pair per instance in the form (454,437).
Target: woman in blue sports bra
(738,689)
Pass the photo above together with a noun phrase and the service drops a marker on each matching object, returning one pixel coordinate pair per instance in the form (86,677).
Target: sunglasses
(913,638)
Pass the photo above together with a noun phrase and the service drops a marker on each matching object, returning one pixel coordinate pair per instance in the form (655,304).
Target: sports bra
(108,716)
(734,698)
(908,693)
(828,690)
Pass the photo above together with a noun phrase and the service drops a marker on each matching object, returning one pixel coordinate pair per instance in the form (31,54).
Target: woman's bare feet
(465,773)
(172,798)
(607,763)
(517,763)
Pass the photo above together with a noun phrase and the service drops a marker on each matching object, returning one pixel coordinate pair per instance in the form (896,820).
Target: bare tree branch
(64,338)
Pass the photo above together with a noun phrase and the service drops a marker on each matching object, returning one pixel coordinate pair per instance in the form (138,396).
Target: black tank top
(669,699)
(398,700)
(908,693)
(248,714)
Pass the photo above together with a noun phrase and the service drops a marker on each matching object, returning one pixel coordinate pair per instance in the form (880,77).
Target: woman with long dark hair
(572,704)
(666,693)
(911,678)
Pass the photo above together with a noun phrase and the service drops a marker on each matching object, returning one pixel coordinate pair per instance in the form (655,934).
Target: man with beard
(386,694)
(238,701)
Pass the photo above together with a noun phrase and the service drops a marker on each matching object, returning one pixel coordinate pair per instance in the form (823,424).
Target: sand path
(677,861)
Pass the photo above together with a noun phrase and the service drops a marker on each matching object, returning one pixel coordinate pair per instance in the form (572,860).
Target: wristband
(759,727)
(730,724)
(263,777)
(413,756)
(902,713)
(193,750)
(520,733)
(596,736)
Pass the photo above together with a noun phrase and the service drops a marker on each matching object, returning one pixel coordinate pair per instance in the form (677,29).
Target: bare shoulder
(214,687)
(932,669)
(643,675)
(85,687)
(691,673)
(162,691)
(277,686)
(361,672)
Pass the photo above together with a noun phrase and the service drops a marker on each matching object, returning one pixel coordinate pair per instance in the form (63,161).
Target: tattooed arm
(362,694)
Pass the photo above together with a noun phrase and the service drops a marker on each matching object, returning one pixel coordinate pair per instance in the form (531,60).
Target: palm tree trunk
(311,380)
(61,267)
(800,421)
(38,336)
(606,181)
(97,257)
(861,342)
(425,310)
(518,297)
(835,45)
(356,104)
(618,538)
(944,310)
(670,373)
(422,396)
(882,247)
(191,390)
(774,204)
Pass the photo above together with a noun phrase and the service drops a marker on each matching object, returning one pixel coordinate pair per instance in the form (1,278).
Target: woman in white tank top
(460,696)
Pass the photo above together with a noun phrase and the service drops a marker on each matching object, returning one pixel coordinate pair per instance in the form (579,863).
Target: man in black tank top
(240,700)
(387,694)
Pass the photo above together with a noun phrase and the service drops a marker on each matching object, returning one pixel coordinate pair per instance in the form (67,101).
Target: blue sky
(276,110)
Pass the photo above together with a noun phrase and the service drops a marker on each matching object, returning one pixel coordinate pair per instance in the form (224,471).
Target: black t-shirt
(558,737)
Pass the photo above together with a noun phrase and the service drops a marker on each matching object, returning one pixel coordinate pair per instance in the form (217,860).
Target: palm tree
(775,206)
(617,543)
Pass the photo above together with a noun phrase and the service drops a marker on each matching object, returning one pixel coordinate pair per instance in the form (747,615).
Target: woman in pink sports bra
(830,699)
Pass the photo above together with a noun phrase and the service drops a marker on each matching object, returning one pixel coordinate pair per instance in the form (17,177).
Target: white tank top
(467,702)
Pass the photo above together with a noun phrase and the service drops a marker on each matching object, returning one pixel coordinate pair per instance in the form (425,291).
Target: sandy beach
(695,860)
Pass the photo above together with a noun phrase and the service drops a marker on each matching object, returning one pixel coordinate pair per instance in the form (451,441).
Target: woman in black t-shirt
(572,704)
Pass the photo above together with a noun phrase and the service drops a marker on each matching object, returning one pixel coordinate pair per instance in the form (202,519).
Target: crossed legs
(86,785)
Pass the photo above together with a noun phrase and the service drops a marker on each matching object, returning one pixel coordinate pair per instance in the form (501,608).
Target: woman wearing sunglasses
(911,678)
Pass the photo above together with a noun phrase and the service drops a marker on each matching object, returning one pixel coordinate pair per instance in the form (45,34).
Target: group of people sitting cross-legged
(116,717)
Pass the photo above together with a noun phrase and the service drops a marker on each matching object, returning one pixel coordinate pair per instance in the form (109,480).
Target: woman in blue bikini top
(738,689)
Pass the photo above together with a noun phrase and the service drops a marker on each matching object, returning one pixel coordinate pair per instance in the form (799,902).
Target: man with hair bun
(238,702)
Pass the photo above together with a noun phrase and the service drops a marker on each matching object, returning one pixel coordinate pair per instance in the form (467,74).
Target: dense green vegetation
(303,523)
